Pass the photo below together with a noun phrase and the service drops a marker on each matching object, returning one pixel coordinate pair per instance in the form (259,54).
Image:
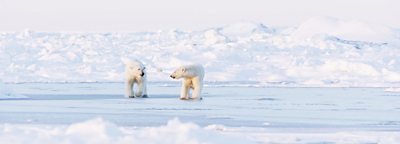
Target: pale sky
(152,15)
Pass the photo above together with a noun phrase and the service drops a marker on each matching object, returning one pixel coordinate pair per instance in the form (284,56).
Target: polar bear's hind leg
(197,86)
(129,89)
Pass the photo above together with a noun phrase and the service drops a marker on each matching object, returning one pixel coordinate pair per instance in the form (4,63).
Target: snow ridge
(321,51)
(176,132)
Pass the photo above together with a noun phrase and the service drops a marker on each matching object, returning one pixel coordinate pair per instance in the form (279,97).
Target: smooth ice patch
(7,93)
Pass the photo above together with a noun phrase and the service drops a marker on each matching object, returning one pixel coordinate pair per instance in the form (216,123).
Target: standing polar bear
(192,78)
(135,73)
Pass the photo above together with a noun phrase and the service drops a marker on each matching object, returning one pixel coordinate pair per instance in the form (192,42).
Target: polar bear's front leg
(145,89)
(197,87)
(141,89)
(129,89)
(185,90)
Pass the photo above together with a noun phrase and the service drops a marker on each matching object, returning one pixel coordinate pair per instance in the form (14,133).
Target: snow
(323,81)
(392,89)
(102,132)
(175,132)
(345,29)
(319,52)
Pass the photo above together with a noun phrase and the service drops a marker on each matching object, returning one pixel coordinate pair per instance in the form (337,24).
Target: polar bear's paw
(140,96)
(192,99)
(196,99)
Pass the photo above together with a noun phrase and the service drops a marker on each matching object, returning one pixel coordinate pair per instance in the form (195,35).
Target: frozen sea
(262,114)
(323,81)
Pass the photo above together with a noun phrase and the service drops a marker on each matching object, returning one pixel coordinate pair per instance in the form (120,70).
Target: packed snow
(319,52)
(393,89)
(100,131)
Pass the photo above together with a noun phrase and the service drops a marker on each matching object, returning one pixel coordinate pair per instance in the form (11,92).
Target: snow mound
(348,30)
(349,53)
(100,131)
(213,37)
(244,30)
(397,90)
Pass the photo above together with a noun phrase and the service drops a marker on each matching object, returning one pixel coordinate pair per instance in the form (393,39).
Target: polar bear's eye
(138,69)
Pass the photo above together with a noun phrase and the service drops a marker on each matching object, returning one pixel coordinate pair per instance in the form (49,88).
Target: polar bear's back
(195,70)
(132,62)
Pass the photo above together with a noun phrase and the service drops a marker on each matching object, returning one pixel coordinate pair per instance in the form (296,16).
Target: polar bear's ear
(183,69)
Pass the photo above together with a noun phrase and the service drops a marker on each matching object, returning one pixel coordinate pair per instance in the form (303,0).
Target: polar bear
(135,73)
(192,78)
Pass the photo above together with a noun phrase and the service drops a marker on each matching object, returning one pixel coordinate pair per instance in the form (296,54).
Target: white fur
(193,76)
(135,74)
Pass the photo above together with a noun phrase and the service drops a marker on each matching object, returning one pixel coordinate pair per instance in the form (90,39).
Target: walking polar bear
(192,79)
(135,74)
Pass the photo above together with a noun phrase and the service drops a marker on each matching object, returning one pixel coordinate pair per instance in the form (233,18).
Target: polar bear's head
(178,73)
(134,68)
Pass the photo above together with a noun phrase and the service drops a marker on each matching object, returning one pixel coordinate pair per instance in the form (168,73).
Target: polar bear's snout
(142,72)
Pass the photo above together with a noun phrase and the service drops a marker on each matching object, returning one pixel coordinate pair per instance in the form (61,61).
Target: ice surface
(230,105)
(235,113)
(7,93)
(319,52)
